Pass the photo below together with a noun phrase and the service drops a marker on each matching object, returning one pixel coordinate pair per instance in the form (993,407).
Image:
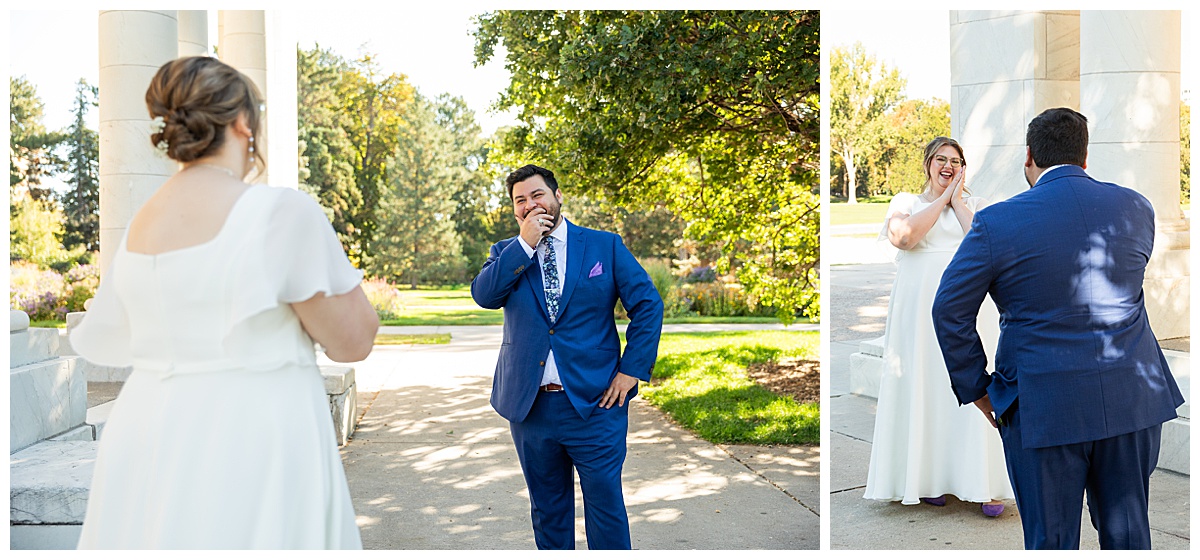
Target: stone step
(49,482)
(343,400)
(97,416)
(46,399)
(28,346)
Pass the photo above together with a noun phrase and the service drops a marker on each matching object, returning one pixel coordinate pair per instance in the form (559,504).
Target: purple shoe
(938,501)
(993,510)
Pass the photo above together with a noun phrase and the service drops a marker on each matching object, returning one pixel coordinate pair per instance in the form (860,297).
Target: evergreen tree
(31,146)
(416,241)
(81,201)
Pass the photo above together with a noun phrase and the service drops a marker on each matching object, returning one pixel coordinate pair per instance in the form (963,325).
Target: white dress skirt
(925,445)
(221,438)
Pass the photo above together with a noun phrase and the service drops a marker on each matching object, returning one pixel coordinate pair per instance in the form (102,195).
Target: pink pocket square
(596,271)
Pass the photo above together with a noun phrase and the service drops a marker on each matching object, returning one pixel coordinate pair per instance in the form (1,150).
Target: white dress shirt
(559,238)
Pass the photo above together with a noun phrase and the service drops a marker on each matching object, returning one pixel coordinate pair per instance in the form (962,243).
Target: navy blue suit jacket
(587,348)
(1064,262)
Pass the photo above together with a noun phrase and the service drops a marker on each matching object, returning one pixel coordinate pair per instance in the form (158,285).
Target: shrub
(667,285)
(80,283)
(39,293)
(384,297)
(717,299)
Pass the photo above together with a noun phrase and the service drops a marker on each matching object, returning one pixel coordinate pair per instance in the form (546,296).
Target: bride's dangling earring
(251,149)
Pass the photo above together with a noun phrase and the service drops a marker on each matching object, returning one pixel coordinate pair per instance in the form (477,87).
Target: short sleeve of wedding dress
(302,253)
(901,203)
(104,337)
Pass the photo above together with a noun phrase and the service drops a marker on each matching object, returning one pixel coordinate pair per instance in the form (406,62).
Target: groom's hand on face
(621,384)
(536,223)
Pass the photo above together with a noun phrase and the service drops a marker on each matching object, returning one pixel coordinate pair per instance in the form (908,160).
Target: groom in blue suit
(562,380)
(1081,388)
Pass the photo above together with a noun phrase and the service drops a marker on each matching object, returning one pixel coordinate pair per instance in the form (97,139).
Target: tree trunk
(851,175)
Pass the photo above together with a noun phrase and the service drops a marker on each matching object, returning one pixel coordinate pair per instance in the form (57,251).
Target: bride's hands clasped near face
(946,173)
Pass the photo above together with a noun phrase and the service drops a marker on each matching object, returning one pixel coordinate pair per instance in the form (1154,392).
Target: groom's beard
(556,214)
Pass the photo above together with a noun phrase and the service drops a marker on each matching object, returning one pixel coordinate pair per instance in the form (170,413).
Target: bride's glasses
(941,161)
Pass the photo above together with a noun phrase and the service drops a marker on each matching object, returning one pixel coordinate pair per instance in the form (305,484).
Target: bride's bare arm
(345,325)
(906,230)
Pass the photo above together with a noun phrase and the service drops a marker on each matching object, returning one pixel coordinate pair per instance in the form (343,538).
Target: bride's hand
(957,186)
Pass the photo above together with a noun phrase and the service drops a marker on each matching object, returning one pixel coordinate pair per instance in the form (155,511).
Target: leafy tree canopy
(713,113)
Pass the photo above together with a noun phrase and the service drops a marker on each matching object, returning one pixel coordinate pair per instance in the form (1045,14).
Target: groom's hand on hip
(985,406)
(621,384)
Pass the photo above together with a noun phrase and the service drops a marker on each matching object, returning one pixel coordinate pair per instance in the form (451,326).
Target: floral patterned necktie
(550,279)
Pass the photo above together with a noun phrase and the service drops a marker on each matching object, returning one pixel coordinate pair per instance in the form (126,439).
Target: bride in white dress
(221,437)
(925,445)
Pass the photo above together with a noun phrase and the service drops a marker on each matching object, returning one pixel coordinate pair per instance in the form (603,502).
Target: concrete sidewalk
(432,466)
(858,307)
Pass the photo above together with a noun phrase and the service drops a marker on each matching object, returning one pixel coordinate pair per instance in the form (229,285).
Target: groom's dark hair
(1058,136)
(527,172)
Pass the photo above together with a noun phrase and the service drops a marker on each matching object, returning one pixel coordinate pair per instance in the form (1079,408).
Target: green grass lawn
(456,308)
(442,308)
(861,213)
(396,339)
(49,324)
(700,381)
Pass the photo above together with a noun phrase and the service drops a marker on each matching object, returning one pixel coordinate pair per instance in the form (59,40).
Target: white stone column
(1005,68)
(283,158)
(193,33)
(133,45)
(1129,79)
(242,44)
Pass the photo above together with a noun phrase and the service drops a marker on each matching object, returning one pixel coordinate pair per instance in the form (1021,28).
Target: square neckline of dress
(220,232)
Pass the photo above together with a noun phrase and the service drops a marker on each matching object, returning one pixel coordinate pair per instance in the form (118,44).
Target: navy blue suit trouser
(1049,483)
(552,441)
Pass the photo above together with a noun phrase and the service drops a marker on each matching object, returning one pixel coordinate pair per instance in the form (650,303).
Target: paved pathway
(860,286)
(432,466)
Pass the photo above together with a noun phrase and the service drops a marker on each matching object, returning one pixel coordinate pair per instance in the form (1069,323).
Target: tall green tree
(81,201)
(714,113)
(417,241)
(375,107)
(31,147)
(326,156)
(477,191)
(861,90)
(894,163)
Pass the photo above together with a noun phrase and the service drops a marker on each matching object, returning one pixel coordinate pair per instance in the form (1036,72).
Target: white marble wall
(133,45)
(1129,79)
(45,399)
(242,44)
(1005,68)
(193,32)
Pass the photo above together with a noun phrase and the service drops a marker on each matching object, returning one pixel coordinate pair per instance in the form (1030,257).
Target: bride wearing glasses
(925,445)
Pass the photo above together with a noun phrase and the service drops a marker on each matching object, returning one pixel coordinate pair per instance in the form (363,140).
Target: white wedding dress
(222,436)
(925,444)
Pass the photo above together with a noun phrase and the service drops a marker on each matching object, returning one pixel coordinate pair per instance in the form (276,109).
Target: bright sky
(911,40)
(908,40)
(433,48)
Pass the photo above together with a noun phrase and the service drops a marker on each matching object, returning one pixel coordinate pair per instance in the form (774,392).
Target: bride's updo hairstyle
(197,97)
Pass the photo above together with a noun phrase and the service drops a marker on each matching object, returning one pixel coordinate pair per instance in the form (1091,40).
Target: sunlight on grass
(700,381)
(391,339)
(860,213)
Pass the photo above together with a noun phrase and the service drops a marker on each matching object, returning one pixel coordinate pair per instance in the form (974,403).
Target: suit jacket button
(541,363)
(551,331)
